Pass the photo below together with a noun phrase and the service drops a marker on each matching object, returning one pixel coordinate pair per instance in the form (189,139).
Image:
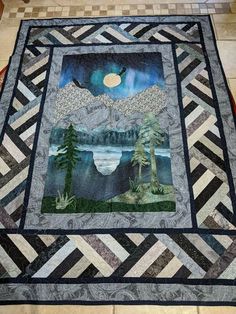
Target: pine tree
(139,158)
(67,157)
(151,134)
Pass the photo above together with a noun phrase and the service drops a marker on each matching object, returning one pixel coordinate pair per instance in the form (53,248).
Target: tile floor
(223,13)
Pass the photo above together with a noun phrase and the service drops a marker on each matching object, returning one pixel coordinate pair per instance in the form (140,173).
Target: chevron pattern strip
(208,175)
(114,33)
(192,256)
(18,139)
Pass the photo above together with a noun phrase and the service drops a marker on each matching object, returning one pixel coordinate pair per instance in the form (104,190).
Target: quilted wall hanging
(117,164)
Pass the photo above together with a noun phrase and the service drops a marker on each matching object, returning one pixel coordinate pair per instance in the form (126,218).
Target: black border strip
(119,230)
(114,302)
(110,280)
(111,44)
(185,139)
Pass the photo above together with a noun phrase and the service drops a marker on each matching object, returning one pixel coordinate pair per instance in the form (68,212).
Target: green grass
(82,205)
(144,195)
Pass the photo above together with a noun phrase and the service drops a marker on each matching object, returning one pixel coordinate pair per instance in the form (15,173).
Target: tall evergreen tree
(67,157)
(151,134)
(139,158)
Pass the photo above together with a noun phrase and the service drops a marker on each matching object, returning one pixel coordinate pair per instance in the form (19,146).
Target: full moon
(112,80)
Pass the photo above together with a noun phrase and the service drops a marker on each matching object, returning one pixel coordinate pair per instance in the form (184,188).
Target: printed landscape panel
(123,163)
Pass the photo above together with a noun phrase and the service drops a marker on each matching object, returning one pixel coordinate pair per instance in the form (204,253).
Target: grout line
(226,39)
(113,309)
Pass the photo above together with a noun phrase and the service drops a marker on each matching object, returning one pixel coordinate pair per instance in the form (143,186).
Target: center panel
(119,114)
(101,157)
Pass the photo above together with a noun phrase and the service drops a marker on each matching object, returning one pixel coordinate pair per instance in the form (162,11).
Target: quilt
(117,164)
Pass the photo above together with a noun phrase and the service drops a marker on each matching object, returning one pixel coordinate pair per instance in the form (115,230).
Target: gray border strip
(103,293)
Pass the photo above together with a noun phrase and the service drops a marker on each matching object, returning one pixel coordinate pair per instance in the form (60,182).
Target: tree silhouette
(139,158)
(67,157)
(151,134)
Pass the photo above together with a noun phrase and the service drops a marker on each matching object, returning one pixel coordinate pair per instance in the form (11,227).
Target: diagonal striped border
(115,33)
(19,135)
(208,176)
(186,256)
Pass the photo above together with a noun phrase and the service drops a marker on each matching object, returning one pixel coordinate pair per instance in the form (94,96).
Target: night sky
(141,71)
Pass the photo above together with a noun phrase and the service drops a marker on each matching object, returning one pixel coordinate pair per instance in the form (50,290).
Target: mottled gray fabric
(118,292)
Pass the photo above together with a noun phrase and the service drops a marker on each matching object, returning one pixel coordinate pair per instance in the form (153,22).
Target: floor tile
(56,9)
(225,31)
(3,63)
(92,2)
(8,37)
(225,26)
(224,18)
(233,7)
(6,22)
(227,54)
(232,86)
(53,309)
(145,309)
(20,3)
(216,310)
